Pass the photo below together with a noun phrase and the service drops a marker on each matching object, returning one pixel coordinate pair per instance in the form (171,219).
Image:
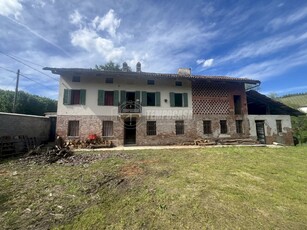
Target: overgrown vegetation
(218,188)
(26,103)
(111,66)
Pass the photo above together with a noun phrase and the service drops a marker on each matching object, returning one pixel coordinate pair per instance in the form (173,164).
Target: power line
(28,65)
(27,61)
(12,71)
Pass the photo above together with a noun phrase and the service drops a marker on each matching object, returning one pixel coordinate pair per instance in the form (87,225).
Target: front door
(260,131)
(130,131)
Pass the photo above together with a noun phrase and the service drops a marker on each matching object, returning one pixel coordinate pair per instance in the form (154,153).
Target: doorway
(260,132)
(130,131)
(130,96)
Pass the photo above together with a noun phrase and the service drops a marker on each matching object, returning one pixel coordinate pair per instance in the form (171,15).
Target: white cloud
(75,18)
(300,14)
(108,22)
(89,40)
(10,7)
(205,63)
(271,68)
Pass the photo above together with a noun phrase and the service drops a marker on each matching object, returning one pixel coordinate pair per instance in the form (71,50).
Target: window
(151,99)
(178,83)
(179,127)
(237,104)
(151,128)
(150,82)
(73,128)
(239,127)
(223,126)
(75,78)
(107,128)
(279,126)
(74,97)
(207,127)
(108,98)
(179,99)
(109,80)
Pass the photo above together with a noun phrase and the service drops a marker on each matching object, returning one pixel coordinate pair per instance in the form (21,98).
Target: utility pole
(16,92)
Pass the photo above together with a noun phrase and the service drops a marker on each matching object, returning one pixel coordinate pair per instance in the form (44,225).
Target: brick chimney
(125,67)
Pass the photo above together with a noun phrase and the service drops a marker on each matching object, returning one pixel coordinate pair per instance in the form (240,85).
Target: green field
(215,188)
(294,101)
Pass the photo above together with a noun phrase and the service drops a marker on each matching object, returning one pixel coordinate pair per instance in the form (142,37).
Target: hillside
(295,100)
(26,103)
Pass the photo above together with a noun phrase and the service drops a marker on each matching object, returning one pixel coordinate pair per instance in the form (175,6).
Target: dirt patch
(131,170)
(75,159)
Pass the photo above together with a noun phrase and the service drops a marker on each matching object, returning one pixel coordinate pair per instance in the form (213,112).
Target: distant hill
(294,100)
(26,103)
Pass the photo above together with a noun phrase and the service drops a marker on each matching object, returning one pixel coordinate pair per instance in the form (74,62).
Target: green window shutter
(172,99)
(138,96)
(100,97)
(158,99)
(82,96)
(67,97)
(116,98)
(144,98)
(122,96)
(185,100)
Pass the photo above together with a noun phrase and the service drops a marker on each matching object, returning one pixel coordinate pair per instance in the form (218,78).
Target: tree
(110,66)
(26,103)
(299,125)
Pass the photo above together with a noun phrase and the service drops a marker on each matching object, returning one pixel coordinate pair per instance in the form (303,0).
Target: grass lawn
(215,188)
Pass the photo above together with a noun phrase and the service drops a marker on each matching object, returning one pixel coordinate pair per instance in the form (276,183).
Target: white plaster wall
(93,84)
(269,123)
(303,109)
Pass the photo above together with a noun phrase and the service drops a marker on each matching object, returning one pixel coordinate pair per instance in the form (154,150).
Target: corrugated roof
(63,71)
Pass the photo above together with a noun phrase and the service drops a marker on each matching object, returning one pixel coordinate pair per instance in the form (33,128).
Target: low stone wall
(12,124)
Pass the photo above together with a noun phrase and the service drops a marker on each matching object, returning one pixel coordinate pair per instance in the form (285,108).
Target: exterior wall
(303,109)
(91,124)
(92,84)
(285,137)
(12,124)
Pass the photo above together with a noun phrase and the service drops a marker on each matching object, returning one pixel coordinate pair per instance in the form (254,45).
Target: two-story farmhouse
(160,109)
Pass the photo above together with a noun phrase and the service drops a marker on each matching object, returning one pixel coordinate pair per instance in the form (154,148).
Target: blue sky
(263,40)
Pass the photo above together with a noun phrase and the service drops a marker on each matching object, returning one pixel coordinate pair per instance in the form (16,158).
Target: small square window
(150,82)
(223,126)
(73,128)
(207,127)
(179,127)
(151,128)
(107,129)
(239,127)
(178,83)
(109,80)
(75,78)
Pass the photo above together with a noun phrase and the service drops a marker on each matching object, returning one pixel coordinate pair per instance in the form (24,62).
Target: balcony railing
(130,107)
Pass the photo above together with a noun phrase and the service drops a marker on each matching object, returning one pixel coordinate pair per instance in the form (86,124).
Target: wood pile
(90,144)
(46,155)
(209,142)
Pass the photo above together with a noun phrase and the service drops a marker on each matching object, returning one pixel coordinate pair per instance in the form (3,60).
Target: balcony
(130,107)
